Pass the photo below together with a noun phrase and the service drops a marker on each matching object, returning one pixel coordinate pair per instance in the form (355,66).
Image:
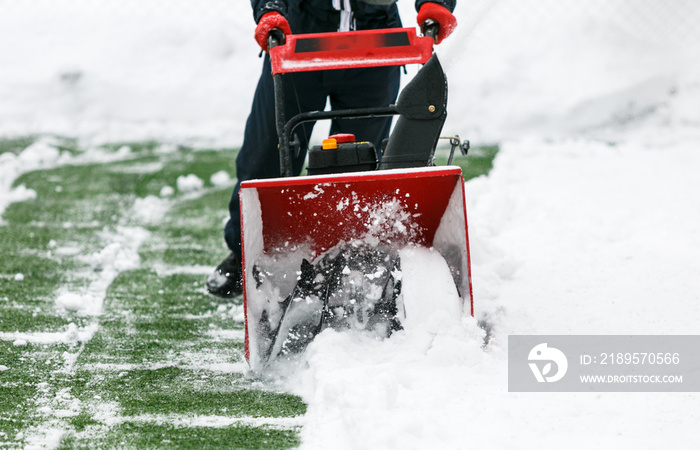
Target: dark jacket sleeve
(449,4)
(261,7)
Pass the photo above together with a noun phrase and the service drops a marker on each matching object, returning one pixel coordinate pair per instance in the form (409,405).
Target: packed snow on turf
(44,154)
(150,210)
(190,183)
(40,155)
(120,254)
(220,179)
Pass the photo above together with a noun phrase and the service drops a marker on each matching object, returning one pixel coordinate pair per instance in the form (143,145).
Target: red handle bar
(352,49)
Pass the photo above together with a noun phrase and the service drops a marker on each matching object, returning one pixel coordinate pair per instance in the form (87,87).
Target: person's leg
(361,88)
(259,158)
(259,154)
(256,158)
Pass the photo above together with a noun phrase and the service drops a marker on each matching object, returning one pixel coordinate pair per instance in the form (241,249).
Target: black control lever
(431,29)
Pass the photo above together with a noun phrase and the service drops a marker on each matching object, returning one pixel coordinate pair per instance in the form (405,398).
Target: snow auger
(323,250)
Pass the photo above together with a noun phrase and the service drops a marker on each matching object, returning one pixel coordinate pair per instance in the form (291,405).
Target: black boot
(227,280)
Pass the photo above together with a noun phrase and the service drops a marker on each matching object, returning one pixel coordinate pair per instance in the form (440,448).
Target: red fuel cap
(343,138)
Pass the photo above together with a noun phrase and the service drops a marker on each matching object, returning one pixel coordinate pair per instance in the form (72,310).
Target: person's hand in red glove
(268,22)
(445,19)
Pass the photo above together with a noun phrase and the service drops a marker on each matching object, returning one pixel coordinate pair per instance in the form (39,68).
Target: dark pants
(308,91)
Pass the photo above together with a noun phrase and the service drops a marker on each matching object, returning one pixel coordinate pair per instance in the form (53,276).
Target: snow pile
(365,393)
(71,335)
(220,179)
(120,254)
(40,155)
(427,294)
(574,229)
(567,237)
(20,194)
(150,210)
(167,191)
(144,69)
(119,70)
(188,184)
(611,70)
(74,302)
(231,311)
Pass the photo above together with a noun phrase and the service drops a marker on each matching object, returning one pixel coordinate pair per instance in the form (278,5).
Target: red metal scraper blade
(352,49)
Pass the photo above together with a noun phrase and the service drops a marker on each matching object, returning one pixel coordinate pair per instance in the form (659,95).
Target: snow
(568,237)
(365,393)
(189,183)
(167,191)
(72,302)
(621,213)
(439,288)
(150,210)
(561,68)
(39,155)
(71,335)
(586,225)
(186,73)
(220,179)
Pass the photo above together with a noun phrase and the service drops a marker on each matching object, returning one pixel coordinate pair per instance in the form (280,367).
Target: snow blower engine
(324,250)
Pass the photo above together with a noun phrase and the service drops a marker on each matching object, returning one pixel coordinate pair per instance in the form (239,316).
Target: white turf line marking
(73,335)
(237,367)
(203,421)
(165,270)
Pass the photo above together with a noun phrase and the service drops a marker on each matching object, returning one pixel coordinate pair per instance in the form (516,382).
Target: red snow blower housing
(324,250)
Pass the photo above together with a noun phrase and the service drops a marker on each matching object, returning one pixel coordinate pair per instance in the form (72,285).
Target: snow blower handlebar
(325,51)
(275,40)
(430,28)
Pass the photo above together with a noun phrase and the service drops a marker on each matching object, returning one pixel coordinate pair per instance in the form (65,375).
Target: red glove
(439,14)
(268,22)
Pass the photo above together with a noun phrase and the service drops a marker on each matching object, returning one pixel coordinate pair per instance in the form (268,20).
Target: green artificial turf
(478,160)
(162,365)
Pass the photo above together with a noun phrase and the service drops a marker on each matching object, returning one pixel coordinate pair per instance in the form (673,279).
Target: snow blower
(324,250)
